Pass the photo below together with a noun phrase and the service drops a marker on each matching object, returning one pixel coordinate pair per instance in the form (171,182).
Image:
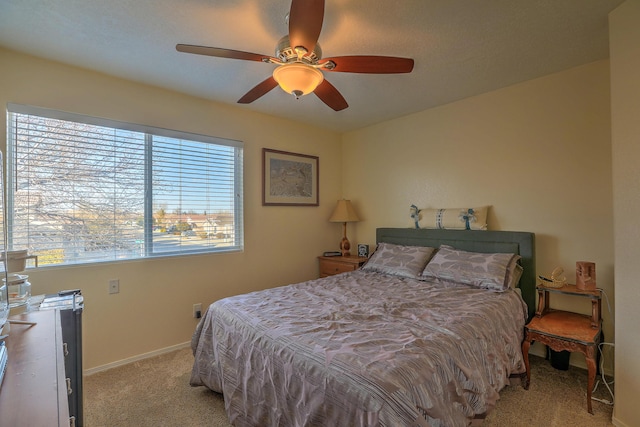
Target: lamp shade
(298,78)
(344,212)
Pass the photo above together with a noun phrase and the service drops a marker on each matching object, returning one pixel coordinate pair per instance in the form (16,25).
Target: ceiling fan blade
(370,64)
(220,52)
(259,90)
(330,96)
(305,23)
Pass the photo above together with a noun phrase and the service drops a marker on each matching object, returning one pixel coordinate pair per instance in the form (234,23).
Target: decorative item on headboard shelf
(450,218)
(415,215)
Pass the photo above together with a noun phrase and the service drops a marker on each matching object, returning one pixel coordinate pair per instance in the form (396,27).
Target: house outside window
(83,189)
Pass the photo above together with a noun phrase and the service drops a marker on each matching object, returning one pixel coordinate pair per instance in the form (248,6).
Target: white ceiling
(461,47)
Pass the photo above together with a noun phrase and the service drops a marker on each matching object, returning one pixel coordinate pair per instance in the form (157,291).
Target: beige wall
(538,152)
(625,107)
(154,307)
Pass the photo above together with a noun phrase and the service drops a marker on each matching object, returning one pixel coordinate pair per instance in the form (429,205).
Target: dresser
(70,305)
(42,385)
(34,390)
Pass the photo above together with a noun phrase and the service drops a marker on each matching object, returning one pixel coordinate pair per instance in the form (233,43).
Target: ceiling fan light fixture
(299,71)
(298,78)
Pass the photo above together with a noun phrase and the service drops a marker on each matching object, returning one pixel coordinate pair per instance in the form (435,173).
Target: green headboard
(518,242)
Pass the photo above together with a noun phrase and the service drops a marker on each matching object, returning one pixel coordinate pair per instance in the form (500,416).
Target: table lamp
(344,213)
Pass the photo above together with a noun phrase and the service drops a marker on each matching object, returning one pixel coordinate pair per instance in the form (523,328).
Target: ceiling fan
(299,59)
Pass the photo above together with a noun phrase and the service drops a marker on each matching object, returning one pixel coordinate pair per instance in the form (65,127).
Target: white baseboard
(618,423)
(128,360)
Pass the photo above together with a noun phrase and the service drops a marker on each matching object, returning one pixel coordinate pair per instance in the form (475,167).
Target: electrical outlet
(197,311)
(114,286)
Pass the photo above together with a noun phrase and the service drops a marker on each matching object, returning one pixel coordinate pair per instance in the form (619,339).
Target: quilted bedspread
(360,349)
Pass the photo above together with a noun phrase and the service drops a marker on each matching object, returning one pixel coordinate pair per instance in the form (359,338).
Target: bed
(379,346)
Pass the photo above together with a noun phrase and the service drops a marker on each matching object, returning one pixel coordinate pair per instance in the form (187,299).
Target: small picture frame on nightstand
(363,250)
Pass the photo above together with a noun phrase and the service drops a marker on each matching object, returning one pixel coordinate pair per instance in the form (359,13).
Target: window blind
(84,189)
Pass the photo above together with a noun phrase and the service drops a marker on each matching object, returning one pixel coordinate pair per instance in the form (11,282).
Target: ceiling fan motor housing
(286,53)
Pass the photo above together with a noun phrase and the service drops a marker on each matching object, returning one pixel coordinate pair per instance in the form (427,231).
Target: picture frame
(363,250)
(289,179)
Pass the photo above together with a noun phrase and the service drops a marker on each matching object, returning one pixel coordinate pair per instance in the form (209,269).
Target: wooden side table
(564,330)
(330,265)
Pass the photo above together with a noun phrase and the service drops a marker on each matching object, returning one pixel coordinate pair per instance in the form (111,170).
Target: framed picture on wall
(289,179)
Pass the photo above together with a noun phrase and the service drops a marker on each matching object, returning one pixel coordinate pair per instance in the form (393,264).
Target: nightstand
(330,265)
(564,330)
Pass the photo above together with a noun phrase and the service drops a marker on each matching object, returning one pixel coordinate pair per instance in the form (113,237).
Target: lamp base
(345,246)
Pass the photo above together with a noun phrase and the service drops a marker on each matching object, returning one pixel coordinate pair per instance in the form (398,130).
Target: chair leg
(591,370)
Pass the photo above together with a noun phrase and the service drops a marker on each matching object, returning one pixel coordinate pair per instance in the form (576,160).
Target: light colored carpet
(156,392)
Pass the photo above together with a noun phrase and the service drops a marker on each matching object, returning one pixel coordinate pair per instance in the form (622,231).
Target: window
(83,189)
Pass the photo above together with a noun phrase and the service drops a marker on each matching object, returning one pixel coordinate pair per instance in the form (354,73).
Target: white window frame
(233,243)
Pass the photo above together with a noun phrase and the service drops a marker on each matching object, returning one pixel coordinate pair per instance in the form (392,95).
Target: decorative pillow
(399,260)
(451,219)
(493,271)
